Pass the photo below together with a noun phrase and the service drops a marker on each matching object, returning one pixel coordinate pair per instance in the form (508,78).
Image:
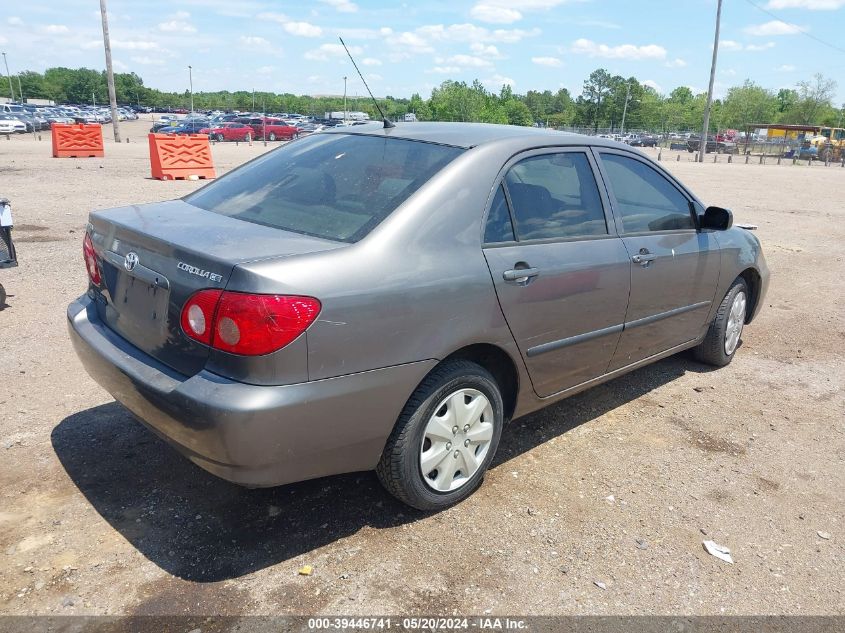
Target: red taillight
(91,260)
(247,324)
(198,315)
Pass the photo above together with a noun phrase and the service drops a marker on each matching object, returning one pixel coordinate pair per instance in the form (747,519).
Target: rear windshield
(334,186)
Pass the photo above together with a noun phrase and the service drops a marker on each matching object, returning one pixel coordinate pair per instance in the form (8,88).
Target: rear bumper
(251,435)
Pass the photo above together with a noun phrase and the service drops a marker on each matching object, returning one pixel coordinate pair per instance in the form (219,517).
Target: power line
(796,27)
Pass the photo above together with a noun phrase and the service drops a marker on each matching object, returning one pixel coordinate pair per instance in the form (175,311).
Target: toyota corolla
(387,299)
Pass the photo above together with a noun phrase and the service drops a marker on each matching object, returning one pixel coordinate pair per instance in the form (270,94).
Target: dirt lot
(618,485)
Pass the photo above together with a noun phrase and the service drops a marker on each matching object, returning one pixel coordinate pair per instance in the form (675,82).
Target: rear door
(561,273)
(674,267)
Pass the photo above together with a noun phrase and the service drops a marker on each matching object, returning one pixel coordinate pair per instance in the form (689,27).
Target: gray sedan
(369,298)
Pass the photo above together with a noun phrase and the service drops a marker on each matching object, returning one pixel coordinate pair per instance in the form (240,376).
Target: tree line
(604,101)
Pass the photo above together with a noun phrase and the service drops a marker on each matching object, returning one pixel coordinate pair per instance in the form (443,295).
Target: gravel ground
(598,505)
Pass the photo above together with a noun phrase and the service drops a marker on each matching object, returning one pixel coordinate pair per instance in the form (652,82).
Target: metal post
(344,98)
(20,90)
(11,90)
(110,72)
(706,125)
(625,109)
(191,87)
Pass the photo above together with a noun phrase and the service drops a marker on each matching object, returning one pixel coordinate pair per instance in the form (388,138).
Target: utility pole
(110,72)
(625,109)
(191,87)
(344,98)
(253,99)
(702,145)
(20,90)
(11,90)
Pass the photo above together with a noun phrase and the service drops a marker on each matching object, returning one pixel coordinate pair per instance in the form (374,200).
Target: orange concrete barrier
(185,157)
(77,140)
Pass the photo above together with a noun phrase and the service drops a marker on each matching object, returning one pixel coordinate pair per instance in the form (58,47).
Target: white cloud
(14,21)
(303,29)
(494,14)
(623,51)
(487,50)
(676,63)
(55,29)
(344,6)
(547,61)
(256,44)
(371,61)
(265,70)
(472,33)
(469,61)
(444,70)
(812,5)
(179,24)
(507,11)
(3,40)
(774,27)
(760,47)
(653,84)
(328,51)
(497,81)
(374,77)
(786,68)
(729,45)
(408,43)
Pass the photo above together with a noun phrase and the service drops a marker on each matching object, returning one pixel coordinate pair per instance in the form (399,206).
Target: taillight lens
(91,260)
(198,315)
(247,324)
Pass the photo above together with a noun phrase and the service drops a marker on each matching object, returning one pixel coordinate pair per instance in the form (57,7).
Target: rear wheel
(248,137)
(220,138)
(272,136)
(725,331)
(445,438)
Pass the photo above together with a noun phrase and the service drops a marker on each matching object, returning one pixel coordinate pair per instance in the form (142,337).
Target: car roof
(469,135)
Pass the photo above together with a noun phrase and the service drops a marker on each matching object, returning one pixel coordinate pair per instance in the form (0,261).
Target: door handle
(520,274)
(644,259)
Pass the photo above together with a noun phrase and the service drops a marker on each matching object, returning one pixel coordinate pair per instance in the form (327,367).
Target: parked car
(276,129)
(231,131)
(387,299)
(10,125)
(646,140)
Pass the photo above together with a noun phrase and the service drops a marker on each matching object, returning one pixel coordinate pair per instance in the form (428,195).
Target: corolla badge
(130,261)
(199,272)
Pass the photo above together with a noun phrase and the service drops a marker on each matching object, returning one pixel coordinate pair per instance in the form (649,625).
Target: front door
(561,276)
(674,267)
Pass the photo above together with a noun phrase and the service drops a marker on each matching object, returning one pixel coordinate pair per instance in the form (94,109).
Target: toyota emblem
(130,261)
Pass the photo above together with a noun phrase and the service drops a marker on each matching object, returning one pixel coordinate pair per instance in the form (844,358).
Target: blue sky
(407,47)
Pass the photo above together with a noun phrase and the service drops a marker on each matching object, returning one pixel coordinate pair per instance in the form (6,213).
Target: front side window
(334,186)
(555,196)
(645,200)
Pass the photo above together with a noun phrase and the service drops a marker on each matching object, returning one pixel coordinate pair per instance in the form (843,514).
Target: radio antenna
(385,120)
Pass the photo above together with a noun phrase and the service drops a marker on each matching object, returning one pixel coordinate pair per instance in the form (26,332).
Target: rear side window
(555,196)
(499,227)
(645,200)
(334,186)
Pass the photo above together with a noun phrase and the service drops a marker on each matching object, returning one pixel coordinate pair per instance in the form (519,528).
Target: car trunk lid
(155,256)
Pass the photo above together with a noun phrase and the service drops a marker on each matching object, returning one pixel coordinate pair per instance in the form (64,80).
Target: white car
(12,126)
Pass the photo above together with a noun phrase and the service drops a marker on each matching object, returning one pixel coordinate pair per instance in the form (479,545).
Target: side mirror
(716,218)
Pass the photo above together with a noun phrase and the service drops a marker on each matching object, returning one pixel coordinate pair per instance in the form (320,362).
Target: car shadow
(200,528)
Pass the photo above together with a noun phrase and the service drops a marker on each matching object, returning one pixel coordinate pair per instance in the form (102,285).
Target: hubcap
(456,440)
(736,319)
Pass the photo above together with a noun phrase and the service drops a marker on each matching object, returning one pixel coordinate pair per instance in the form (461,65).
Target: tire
(247,137)
(428,413)
(220,138)
(2,296)
(716,348)
(272,136)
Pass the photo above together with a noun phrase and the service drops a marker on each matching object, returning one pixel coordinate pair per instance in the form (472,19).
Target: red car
(233,131)
(274,129)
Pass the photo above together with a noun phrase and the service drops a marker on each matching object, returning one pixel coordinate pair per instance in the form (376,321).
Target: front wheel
(247,138)
(220,138)
(725,331)
(445,438)
(272,136)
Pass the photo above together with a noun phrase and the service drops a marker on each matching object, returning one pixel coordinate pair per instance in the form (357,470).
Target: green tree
(747,104)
